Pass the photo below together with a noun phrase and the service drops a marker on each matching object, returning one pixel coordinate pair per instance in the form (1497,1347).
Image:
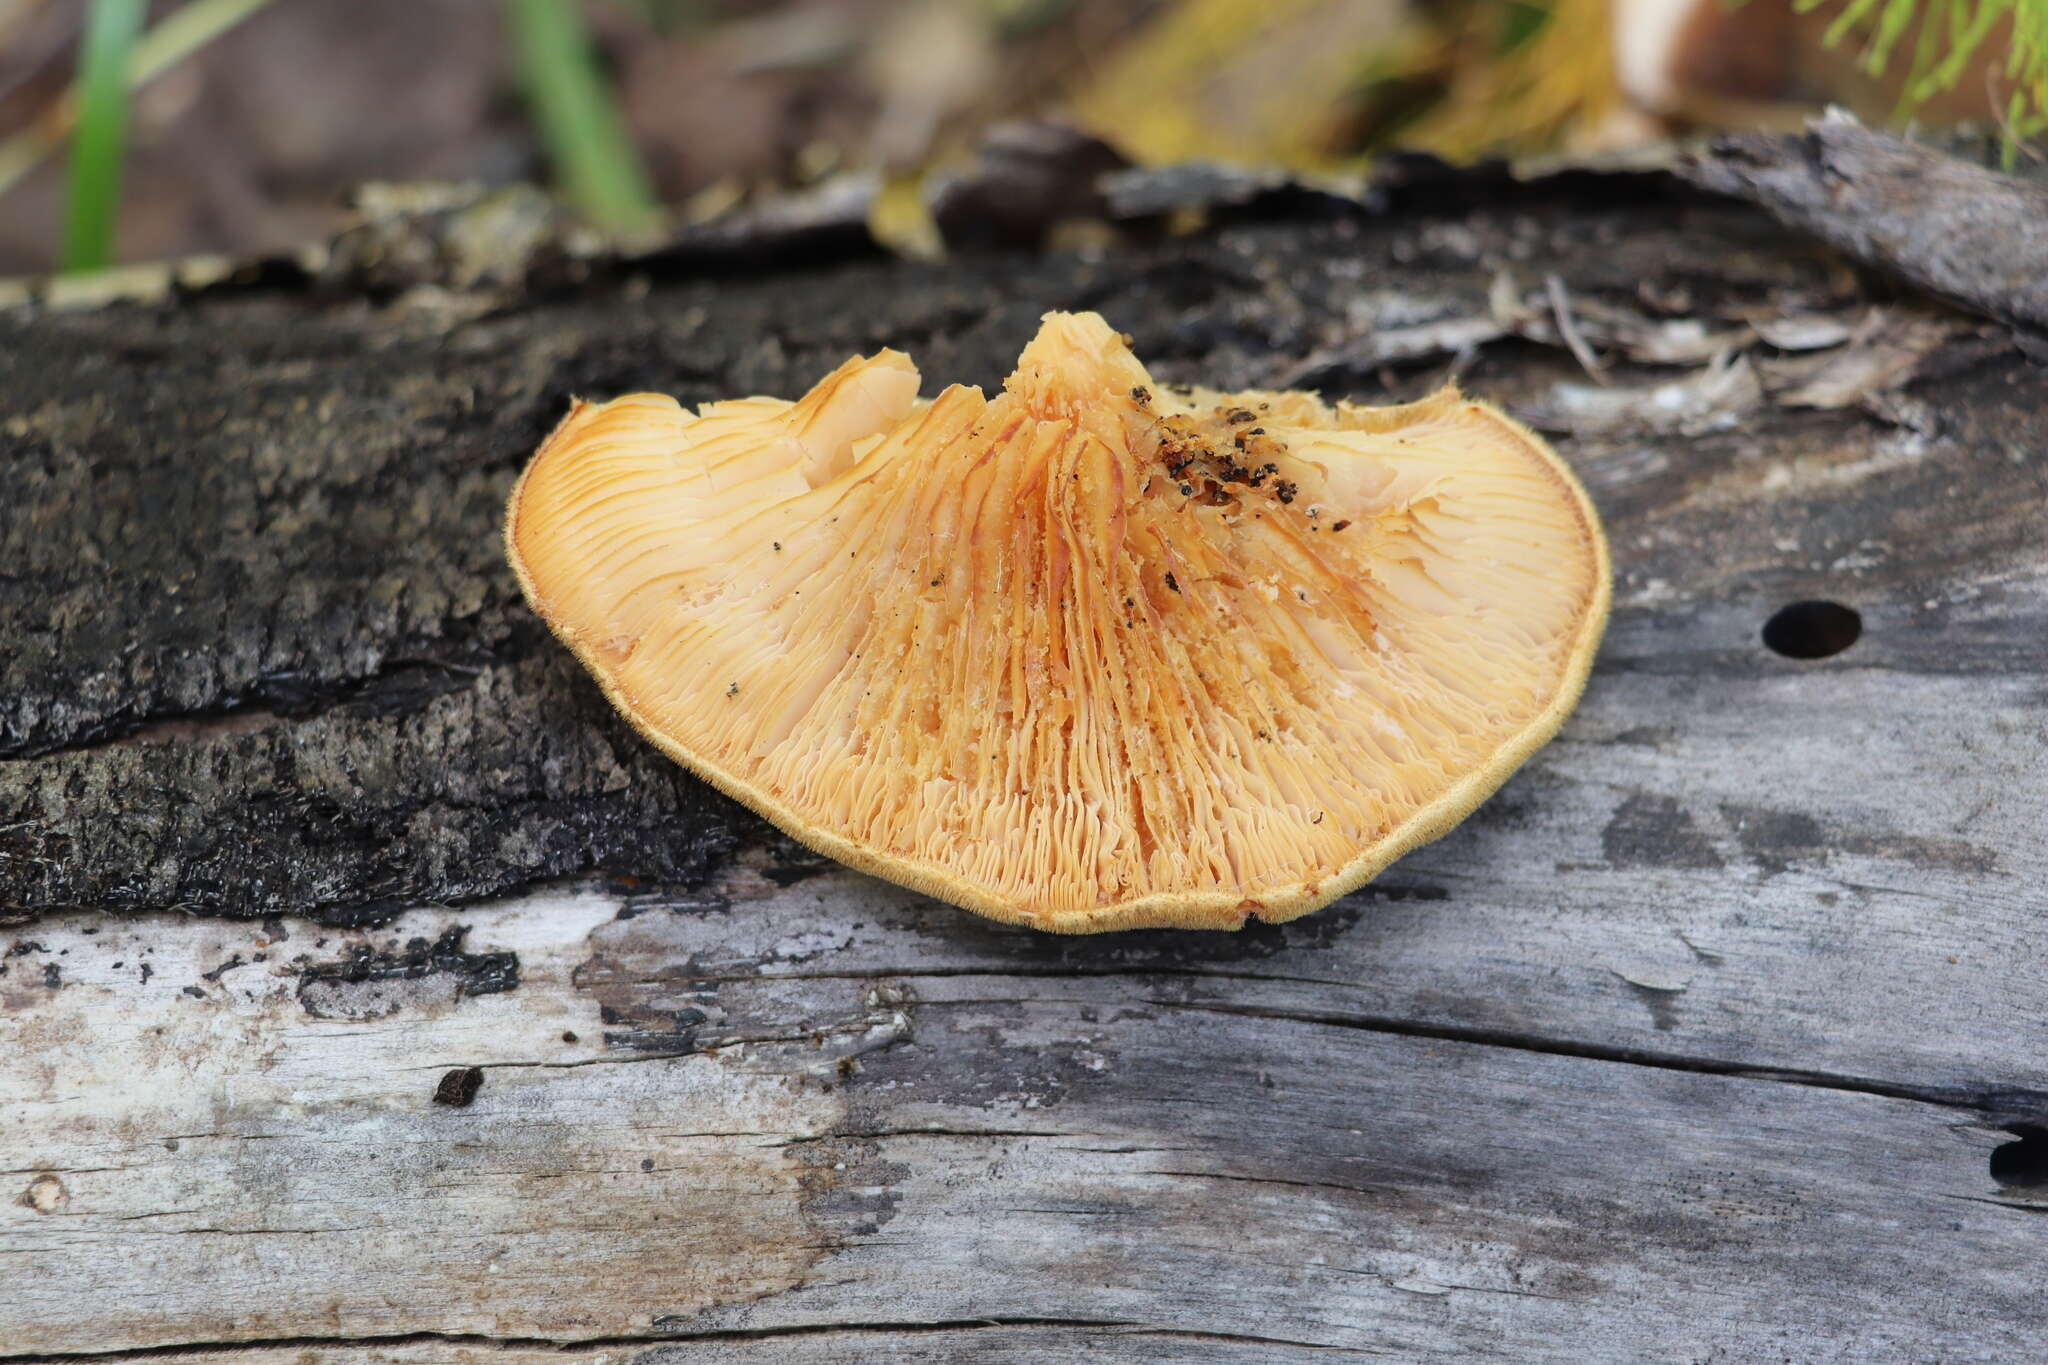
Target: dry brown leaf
(1887,349)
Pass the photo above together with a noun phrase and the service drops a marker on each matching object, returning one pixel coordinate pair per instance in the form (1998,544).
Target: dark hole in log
(1812,630)
(2022,1164)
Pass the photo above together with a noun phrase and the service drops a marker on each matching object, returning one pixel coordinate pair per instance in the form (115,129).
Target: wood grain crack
(1369,1190)
(1986,1100)
(658,1336)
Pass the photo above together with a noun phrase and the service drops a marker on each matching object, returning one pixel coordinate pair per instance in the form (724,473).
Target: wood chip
(1888,349)
(1805,331)
(1712,399)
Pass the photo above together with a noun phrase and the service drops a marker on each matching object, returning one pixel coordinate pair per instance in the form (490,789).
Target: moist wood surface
(1696,1043)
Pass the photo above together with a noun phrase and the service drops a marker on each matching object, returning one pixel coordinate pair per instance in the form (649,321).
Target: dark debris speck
(459,1086)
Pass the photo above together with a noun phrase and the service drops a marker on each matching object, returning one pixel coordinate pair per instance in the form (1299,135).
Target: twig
(1568,328)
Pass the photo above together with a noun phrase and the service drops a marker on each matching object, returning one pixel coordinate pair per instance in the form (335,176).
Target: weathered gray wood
(1664,883)
(1108,1151)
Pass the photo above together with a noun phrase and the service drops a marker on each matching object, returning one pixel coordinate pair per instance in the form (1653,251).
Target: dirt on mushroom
(1090,654)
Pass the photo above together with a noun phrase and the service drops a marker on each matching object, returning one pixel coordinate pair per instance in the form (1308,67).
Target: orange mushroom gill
(1090,654)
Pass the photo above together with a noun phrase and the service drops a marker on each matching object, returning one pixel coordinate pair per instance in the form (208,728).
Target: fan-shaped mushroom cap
(1087,655)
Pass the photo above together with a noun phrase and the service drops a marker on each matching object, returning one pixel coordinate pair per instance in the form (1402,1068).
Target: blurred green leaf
(578,116)
(99,144)
(1521,21)
(177,36)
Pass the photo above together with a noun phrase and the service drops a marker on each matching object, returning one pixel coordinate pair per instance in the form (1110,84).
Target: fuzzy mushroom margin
(592,532)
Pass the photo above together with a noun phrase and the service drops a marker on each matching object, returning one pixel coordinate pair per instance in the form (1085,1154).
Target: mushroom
(1092,654)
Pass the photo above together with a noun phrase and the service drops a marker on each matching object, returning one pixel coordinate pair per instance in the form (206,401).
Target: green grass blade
(1852,14)
(1891,25)
(1961,48)
(586,137)
(100,143)
(1951,34)
(1926,51)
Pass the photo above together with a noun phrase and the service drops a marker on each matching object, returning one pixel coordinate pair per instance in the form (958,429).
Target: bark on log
(1950,227)
(253,567)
